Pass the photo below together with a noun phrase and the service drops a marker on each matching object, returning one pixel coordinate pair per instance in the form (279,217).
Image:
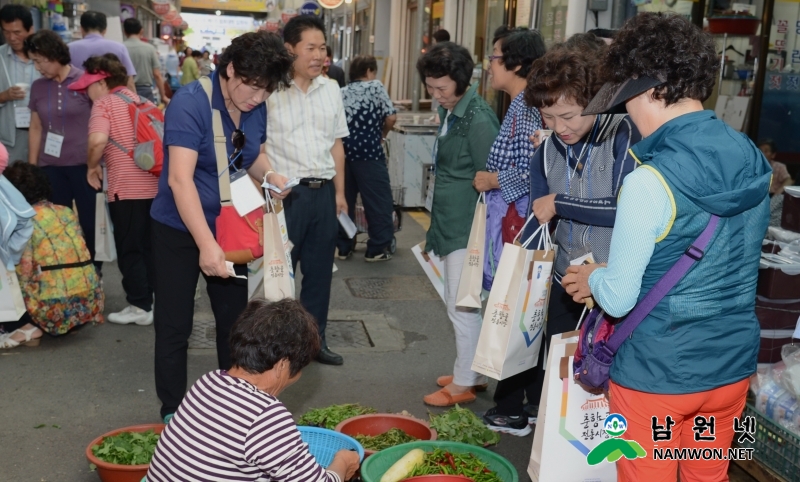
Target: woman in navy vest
(681,379)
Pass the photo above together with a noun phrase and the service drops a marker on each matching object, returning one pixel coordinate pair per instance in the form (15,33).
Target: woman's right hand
(212,261)
(345,463)
(94,177)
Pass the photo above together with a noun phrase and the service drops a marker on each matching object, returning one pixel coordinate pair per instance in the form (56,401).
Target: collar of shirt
(315,84)
(461,108)
(92,36)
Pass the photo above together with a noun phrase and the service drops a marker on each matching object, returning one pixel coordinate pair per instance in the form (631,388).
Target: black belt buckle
(315,184)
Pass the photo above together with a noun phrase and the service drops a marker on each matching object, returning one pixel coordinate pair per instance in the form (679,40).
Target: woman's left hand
(576,281)
(486,181)
(94,177)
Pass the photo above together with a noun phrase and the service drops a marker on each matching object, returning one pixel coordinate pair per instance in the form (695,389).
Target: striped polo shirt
(302,127)
(111,116)
(226,429)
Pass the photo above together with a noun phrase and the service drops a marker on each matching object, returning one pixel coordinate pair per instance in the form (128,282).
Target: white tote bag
(470,284)
(278,284)
(513,325)
(570,423)
(12,305)
(104,247)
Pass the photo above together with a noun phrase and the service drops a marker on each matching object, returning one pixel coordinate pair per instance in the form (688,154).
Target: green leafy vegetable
(451,463)
(127,448)
(462,425)
(385,440)
(330,417)
(40,425)
(92,467)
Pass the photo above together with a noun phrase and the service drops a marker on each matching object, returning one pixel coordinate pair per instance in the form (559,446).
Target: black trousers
(133,239)
(371,179)
(177,269)
(69,184)
(563,316)
(313,227)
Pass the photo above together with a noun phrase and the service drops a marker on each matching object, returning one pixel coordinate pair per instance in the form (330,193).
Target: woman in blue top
(684,371)
(185,209)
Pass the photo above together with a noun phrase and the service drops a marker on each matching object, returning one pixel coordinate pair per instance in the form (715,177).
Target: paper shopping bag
(255,277)
(513,325)
(278,283)
(432,265)
(287,244)
(104,247)
(470,284)
(570,423)
(12,304)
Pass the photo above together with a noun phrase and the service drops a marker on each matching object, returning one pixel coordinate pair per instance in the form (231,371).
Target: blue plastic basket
(323,443)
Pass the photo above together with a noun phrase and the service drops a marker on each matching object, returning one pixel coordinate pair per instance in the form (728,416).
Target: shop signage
(330,3)
(166,30)
(311,8)
(230,5)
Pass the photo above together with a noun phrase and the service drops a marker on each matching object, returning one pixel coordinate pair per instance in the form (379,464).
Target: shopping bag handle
(522,230)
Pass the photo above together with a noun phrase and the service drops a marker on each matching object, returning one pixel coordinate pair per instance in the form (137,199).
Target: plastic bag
(790,376)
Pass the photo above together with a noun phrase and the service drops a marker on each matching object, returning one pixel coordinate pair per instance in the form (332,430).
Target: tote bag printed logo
(500,313)
(538,286)
(615,447)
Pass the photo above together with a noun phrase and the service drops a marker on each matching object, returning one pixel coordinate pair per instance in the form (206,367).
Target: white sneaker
(132,314)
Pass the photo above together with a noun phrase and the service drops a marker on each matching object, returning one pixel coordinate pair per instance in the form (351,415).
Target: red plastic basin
(121,473)
(378,423)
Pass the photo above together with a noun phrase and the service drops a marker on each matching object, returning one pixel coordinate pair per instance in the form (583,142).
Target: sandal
(7,342)
(445,380)
(443,398)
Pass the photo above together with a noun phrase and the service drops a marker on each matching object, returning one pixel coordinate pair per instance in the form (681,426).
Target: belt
(313,182)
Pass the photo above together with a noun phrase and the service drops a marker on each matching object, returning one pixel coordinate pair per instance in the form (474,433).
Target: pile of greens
(442,462)
(462,425)
(385,440)
(330,417)
(127,448)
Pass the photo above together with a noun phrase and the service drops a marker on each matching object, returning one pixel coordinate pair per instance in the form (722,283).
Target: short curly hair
(110,64)
(259,59)
(447,59)
(267,332)
(564,73)
(49,45)
(666,47)
(30,180)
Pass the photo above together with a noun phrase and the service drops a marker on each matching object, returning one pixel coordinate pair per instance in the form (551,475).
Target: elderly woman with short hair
(686,366)
(465,137)
(231,425)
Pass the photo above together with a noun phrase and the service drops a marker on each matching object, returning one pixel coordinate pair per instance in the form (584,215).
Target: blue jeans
(371,179)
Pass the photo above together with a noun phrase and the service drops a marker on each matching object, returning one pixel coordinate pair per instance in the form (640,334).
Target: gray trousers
(20,150)
(146,91)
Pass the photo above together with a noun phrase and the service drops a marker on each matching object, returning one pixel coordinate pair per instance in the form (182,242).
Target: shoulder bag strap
(692,255)
(220,148)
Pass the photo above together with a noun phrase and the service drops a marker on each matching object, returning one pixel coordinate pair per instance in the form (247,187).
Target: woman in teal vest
(681,379)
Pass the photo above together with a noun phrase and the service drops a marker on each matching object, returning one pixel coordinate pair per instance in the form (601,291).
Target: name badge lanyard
(231,158)
(584,170)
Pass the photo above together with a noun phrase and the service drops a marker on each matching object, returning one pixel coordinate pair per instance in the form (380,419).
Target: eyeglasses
(238,140)
(494,57)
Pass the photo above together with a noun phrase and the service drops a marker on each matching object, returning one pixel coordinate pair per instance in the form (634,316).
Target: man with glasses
(16,76)
(304,140)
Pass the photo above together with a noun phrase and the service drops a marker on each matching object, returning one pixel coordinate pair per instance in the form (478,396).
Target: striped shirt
(302,127)
(125,179)
(227,429)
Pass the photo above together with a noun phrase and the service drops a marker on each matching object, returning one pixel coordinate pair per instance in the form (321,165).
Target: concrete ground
(100,378)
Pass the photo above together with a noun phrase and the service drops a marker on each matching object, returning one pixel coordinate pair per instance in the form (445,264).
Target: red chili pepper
(486,471)
(451,460)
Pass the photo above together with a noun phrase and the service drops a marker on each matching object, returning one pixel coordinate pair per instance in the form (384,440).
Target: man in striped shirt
(306,124)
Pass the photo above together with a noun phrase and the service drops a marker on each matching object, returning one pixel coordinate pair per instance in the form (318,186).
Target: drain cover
(394,288)
(347,334)
(204,334)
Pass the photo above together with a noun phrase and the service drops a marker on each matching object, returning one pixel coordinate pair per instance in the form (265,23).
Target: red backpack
(148,133)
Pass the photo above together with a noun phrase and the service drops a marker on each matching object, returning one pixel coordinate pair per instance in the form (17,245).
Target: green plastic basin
(375,466)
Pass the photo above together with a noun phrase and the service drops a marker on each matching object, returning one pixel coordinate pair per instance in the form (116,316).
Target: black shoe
(532,411)
(384,255)
(507,424)
(344,255)
(327,357)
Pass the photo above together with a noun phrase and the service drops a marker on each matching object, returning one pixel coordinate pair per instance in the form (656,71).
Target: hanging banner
(229,6)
